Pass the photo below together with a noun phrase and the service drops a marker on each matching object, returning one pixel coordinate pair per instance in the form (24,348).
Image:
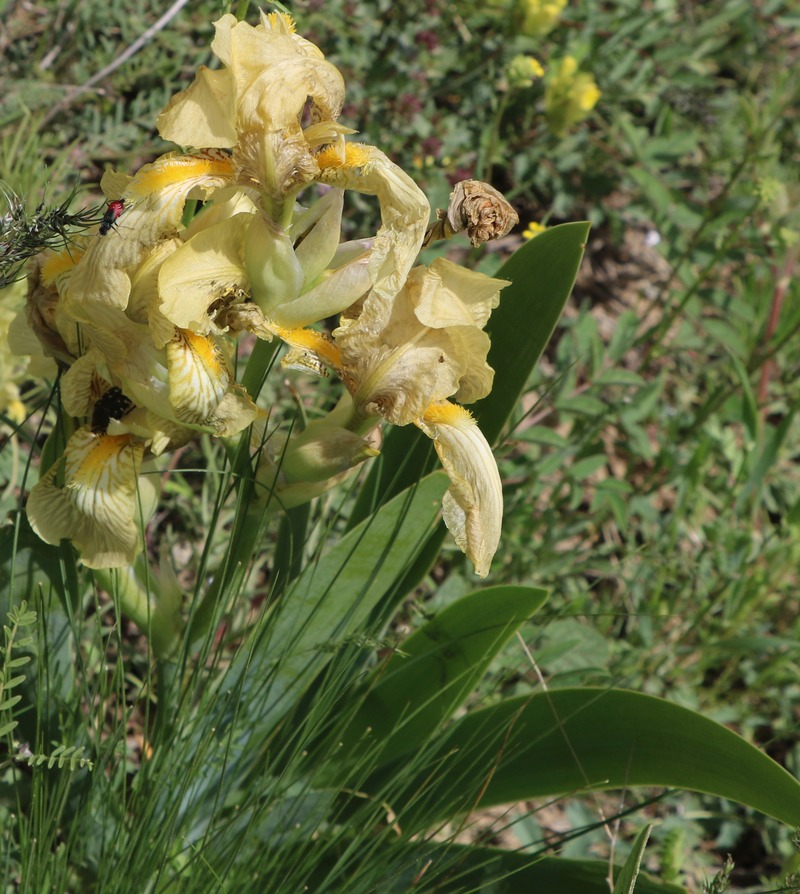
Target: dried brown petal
(477,208)
(481,210)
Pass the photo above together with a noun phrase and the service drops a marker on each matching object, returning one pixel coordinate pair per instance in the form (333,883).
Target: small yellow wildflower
(538,17)
(569,95)
(533,229)
(522,71)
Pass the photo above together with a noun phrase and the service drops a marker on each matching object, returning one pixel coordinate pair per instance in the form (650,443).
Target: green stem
(240,10)
(158,619)
(288,559)
(258,366)
(245,535)
(250,512)
(485,168)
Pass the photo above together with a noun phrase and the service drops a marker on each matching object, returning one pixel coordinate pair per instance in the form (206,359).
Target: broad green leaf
(334,596)
(437,669)
(570,740)
(315,618)
(542,273)
(626,883)
(496,871)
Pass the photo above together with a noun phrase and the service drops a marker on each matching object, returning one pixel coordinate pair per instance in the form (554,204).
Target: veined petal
(225,204)
(316,345)
(234,413)
(202,391)
(269,74)
(23,343)
(477,376)
(114,183)
(133,361)
(210,264)
(97,506)
(204,114)
(392,364)
(153,208)
(454,296)
(421,346)
(58,335)
(199,376)
(460,301)
(276,71)
(83,383)
(173,177)
(144,304)
(473,506)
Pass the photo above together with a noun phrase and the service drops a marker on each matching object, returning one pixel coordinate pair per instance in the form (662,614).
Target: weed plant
(650,469)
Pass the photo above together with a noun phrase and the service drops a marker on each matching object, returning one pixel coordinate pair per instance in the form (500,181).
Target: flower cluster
(539,17)
(522,71)
(569,95)
(142,315)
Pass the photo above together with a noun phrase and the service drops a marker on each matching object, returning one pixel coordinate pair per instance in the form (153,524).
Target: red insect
(115,208)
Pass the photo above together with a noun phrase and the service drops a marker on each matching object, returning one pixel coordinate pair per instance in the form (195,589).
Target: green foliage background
(652,465)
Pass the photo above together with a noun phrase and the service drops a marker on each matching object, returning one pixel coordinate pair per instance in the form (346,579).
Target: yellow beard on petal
(96,507)
(97,470)
(447,414)
(178,168)
(354,156)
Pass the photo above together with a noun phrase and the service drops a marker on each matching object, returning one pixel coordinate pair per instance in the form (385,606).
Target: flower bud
(272,266)
(522,71)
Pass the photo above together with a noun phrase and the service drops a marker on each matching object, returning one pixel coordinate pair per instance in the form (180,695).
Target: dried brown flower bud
(477,208)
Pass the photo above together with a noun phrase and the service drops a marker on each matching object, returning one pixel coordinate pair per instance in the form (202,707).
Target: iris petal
(473,506)
(97,506)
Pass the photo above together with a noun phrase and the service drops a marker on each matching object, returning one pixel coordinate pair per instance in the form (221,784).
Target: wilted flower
(142,316)
(477,208)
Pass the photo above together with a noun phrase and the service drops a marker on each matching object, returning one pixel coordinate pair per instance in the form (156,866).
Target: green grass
(651,467)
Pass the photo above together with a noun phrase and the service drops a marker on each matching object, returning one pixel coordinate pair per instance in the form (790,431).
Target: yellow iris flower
(143,314)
